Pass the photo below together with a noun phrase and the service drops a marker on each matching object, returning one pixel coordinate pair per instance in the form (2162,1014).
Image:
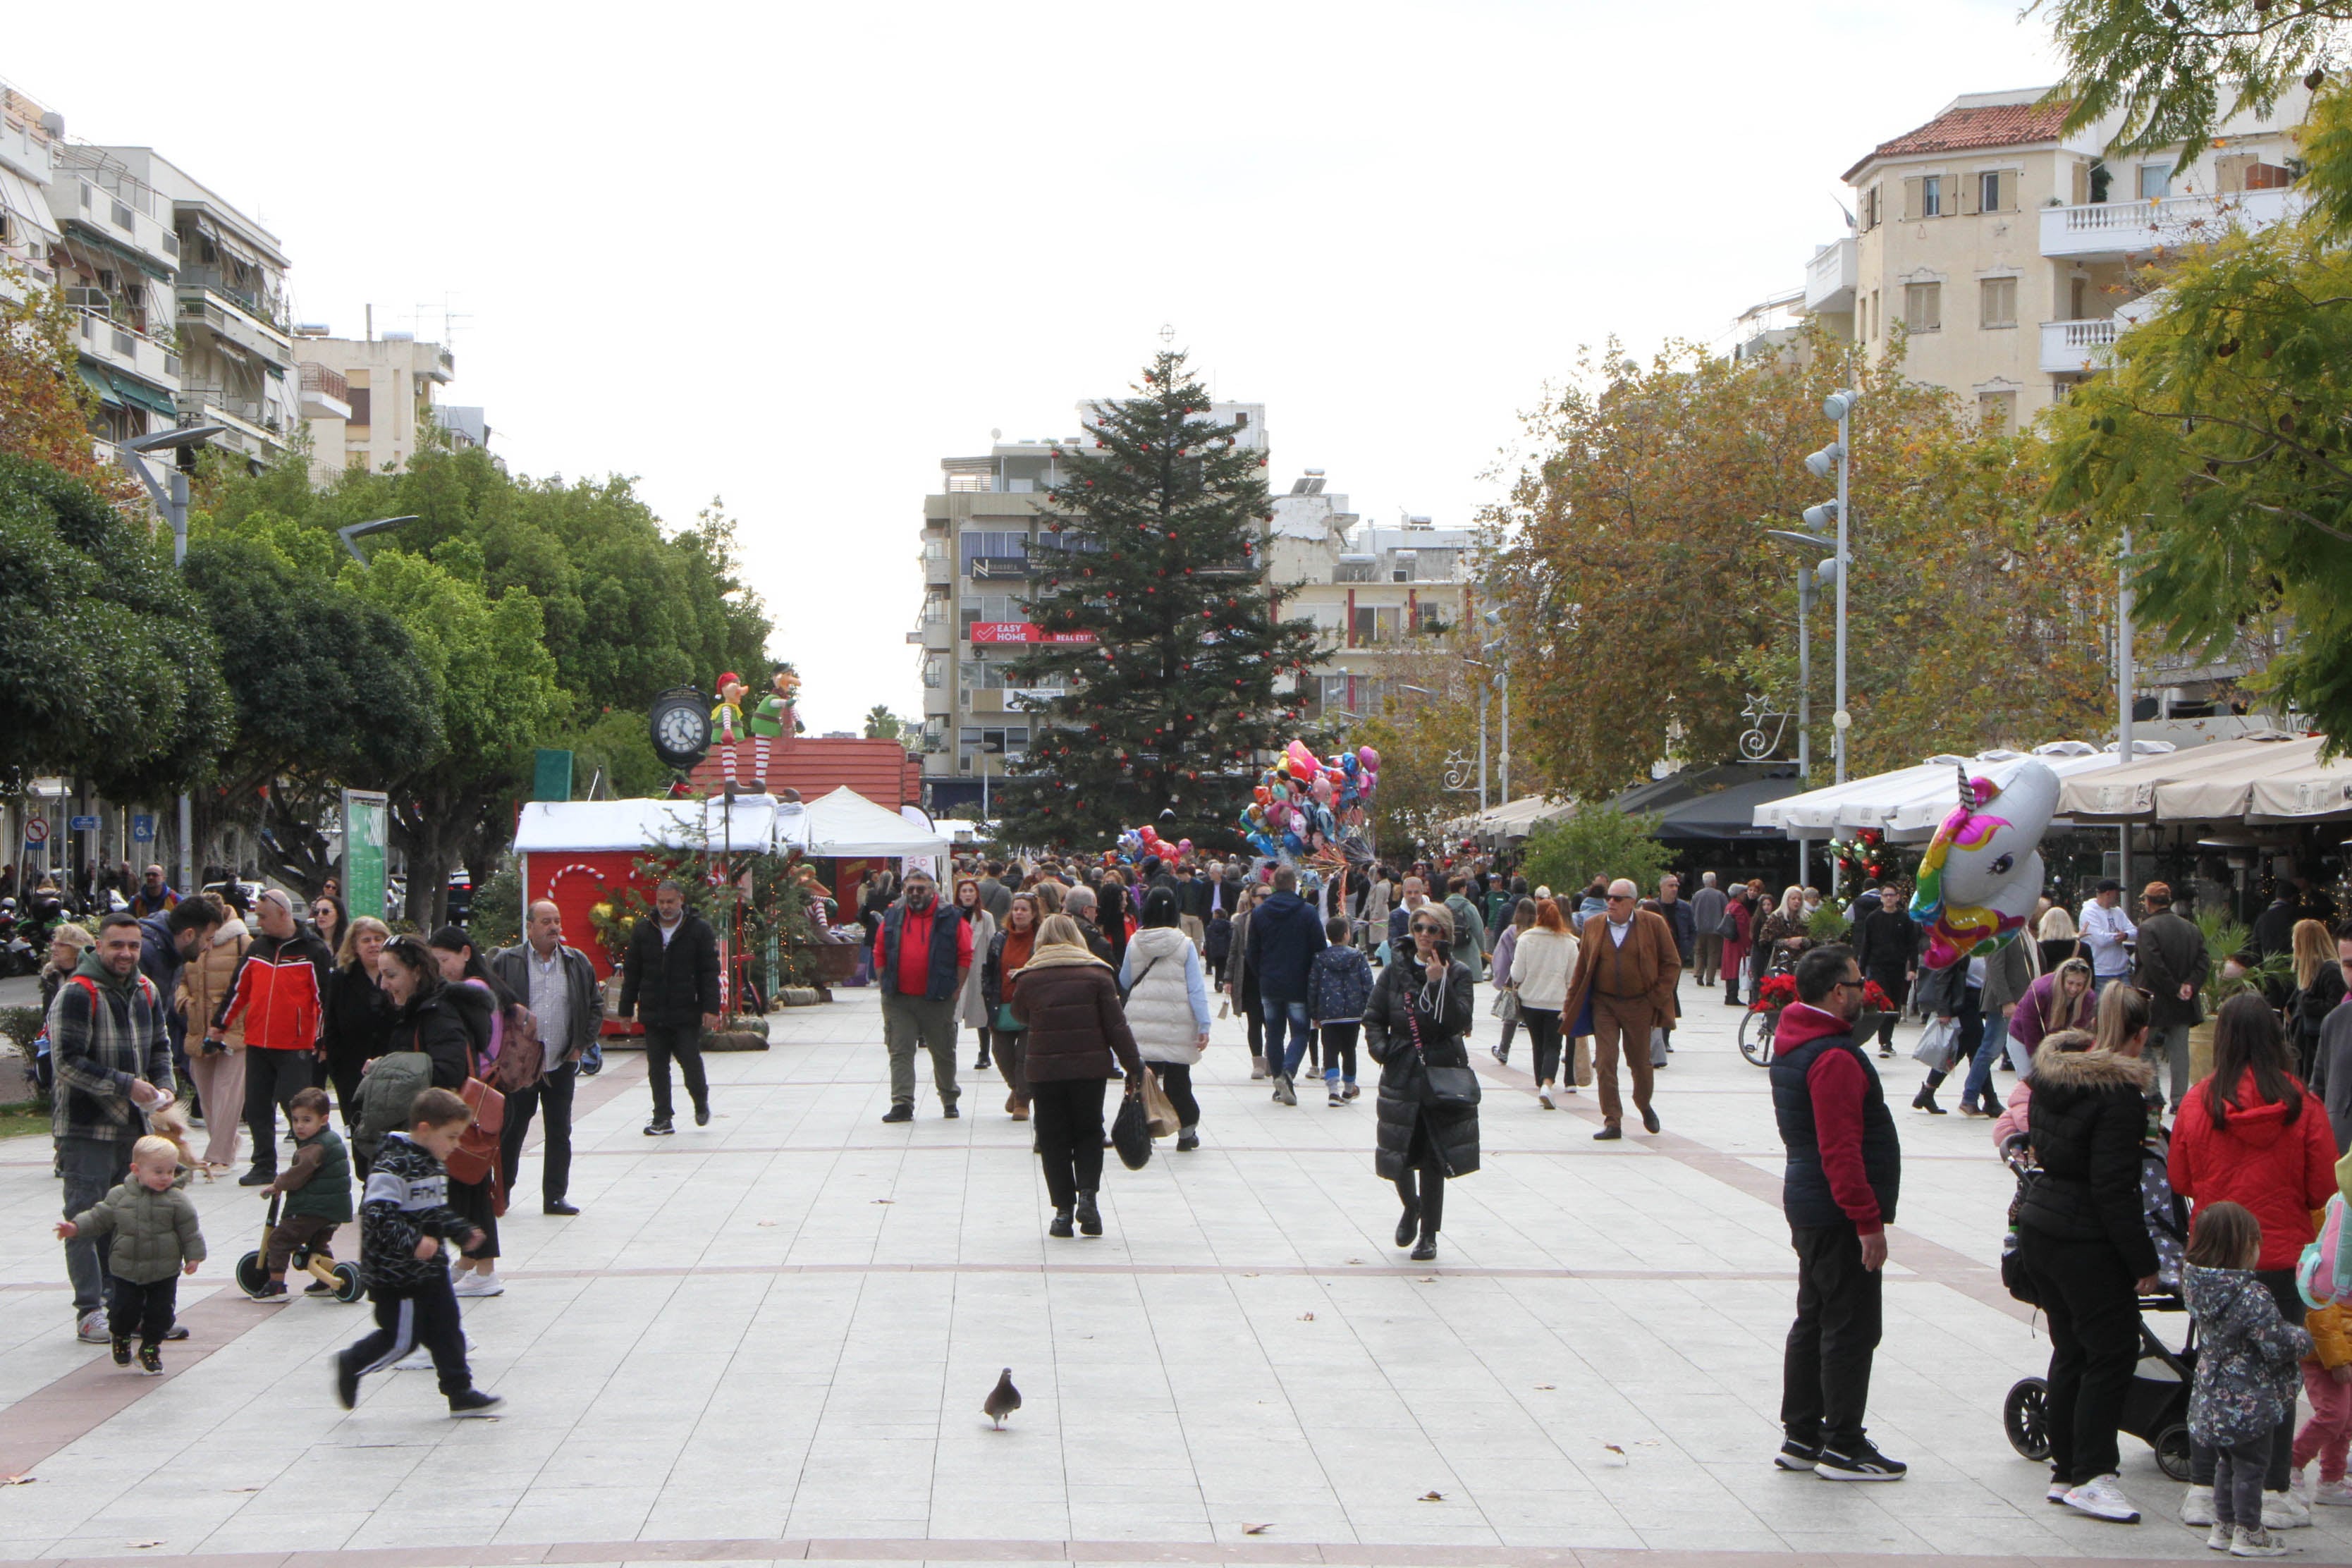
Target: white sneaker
(1543,1097)
(2101,1498)
(2299,1483)
(2285,1511)
(2218,1539)
(474,1283)
(2196,1507)
(2058,1490)
(2332,1494)
(2256,1540)
(90,1329)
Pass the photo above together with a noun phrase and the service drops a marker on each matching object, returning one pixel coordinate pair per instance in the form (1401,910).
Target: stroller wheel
(251,1276)
(2025,1417)
(2172,1448)
(349,1286)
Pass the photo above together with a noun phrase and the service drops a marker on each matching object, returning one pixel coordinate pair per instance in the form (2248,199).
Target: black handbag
(1130,1131)
(1441,1087)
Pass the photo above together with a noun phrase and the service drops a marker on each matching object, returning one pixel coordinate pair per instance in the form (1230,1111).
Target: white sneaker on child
(2332,1494)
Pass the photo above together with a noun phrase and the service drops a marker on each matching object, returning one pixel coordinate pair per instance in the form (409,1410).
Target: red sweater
(1836,1083)
(2279,1169)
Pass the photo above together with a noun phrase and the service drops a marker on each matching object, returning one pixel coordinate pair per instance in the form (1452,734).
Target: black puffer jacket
(1388,1036)
(2089,1117)
(451,1024)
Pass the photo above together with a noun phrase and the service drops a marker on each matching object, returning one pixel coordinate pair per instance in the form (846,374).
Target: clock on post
(681,719)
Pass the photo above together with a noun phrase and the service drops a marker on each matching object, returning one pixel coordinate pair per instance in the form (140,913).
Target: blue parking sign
(143,828)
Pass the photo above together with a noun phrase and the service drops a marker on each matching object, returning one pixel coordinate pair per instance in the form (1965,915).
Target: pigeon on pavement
(1002,1400)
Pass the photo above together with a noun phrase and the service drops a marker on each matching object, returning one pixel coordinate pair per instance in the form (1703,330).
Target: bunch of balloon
(1139,843)
(1303,804)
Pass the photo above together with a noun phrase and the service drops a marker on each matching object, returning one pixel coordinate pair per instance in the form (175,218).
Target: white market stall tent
(845,823)
(552,827)
(1909,802)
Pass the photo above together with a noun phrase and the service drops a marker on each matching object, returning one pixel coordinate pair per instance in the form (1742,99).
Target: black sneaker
(949,1112)
(1061,1224)
(899,1113)
(151,1360)
(121,1344)
(276,1288)
(473,1401)
(1796,1455)
(1090,1217)
(1861,1462)
(318,1288)
(347,1380)
(659,1127)
(257,1178)
(559,1207)
(1187,1140)
(702,1116)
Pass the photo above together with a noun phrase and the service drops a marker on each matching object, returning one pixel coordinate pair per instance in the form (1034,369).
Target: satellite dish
(996,434)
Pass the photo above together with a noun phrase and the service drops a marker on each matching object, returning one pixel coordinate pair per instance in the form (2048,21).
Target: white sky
(794,255)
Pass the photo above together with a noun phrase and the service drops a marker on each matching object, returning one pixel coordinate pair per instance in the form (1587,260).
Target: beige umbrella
(2321,789)
(2128,792)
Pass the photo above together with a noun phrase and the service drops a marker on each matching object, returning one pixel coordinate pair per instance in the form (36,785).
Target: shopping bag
(1657,1046)
(1938,1042)
(1583,1061)
(1158,1111)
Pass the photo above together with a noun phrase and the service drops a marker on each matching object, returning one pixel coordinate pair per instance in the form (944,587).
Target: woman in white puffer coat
(1168,1007)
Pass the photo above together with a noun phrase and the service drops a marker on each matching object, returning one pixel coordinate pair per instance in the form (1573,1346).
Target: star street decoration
(1758,742)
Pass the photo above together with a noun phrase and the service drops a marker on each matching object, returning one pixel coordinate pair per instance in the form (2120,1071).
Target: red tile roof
(1958,130)
(881,771)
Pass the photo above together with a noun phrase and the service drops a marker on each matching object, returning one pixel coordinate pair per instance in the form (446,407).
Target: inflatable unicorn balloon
(1982,872)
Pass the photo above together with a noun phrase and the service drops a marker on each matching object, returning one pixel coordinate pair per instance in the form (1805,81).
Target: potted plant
(2228,946)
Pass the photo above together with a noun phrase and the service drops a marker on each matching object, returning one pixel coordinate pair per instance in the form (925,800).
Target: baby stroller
(2155,1407)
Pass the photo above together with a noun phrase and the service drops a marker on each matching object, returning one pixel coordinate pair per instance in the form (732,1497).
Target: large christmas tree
(1151,571)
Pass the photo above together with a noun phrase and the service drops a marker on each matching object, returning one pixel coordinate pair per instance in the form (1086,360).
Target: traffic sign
(36,830)
(143,828)
(83,824)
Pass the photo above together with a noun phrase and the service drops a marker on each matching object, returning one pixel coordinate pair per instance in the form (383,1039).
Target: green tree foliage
(1153,549)
(1645,602)
(2175,72)
(619,746)
(328,687)
(2220,436)
(108,671)
(498,693)
(881,724)
(1566,853)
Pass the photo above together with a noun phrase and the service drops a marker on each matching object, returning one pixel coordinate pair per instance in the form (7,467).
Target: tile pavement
(769,1339)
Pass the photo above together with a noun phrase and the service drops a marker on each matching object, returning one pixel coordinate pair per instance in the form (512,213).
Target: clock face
(681,729)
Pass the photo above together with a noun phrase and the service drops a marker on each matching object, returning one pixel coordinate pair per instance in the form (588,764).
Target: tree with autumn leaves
(1174,669)
(1646,604)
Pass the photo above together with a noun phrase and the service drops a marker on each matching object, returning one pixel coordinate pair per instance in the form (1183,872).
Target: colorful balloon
(1981,874)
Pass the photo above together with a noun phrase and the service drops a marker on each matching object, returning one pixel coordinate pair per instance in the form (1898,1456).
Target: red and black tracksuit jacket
(280,988)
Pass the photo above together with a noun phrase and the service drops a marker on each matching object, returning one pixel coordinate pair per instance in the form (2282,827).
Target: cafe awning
(2201,783)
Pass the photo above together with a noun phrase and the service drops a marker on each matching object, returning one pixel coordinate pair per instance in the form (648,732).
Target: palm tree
(881,724)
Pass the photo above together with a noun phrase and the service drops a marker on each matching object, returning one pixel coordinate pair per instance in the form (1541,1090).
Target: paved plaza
(769,1340)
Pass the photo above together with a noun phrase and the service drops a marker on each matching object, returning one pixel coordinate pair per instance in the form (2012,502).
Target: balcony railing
(2119,228)
(2077,348)
(316,377)
(1830,278)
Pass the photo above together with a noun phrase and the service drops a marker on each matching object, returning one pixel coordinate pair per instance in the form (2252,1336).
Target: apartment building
(978,531)
(2009,251)
(236,350)
(1378,597)
(370,401)
(27,232)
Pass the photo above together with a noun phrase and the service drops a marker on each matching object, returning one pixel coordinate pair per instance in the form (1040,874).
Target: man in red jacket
(1838,1191)
(278,989)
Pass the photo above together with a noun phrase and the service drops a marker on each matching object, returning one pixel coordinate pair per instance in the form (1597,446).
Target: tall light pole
(2127,678)
(1838,405)
(172,503)
(1805,544)
(1494,618)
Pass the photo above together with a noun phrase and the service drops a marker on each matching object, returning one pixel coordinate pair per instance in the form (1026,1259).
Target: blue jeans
(1996,1039)
(1276,1012)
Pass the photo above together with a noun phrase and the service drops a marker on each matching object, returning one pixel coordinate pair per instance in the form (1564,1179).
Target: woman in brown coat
(1075,1038)
(218,1076)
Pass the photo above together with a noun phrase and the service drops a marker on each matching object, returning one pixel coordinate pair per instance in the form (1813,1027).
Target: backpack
(520,1060)
(2323,1274)
(386,1095)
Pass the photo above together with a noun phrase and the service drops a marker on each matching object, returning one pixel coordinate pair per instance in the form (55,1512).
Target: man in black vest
(921,953)
(1844,1167)
(669,978)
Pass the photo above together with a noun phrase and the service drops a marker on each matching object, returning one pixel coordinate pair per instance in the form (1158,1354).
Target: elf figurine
(726,719)
(770,717)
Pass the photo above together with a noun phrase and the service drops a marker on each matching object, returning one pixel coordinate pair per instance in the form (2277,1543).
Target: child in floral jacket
(2247,1376)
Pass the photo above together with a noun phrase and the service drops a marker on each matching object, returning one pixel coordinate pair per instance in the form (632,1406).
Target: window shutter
(1911,200)
(2230,172)
(2010,181)
(1963,198)
(2082,183)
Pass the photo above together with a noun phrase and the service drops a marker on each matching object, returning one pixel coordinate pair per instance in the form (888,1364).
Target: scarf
(1060,955)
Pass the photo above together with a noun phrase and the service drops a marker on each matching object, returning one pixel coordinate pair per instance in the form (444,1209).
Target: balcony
(108,342)
(1829,278)
(102,214)
(325,394)
(205,305)
(938,568)
(2108,231)
(249,426)
(2079,348)
(25,152)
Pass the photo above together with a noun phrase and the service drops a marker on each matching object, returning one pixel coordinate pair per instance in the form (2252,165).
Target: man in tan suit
(1627,965)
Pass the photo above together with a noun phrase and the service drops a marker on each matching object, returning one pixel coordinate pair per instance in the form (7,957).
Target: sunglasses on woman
(1427,930)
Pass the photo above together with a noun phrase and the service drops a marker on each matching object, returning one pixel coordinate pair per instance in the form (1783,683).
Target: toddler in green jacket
(155,1241)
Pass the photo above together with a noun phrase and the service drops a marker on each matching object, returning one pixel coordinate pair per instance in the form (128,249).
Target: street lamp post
(1807,544)
(1838,407)
(1494,618)
(171,500)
